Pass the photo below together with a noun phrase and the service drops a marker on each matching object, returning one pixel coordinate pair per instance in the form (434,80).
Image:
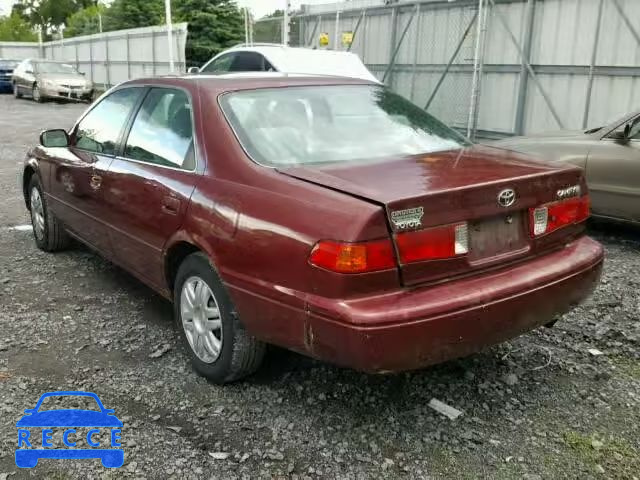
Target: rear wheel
(221,349)
(48,232)
(16,92)
(36,94)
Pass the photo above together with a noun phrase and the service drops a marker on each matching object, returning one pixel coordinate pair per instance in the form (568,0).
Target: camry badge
(409,218)
(507,197)
(573,191)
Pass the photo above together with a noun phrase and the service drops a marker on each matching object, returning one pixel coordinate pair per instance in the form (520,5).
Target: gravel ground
(539,407)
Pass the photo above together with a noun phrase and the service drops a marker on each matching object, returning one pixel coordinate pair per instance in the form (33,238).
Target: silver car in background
(45,79)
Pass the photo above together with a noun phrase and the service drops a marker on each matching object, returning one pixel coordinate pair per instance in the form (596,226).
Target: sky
(258,7)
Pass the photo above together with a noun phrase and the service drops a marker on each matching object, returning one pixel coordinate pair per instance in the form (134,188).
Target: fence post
(396,50)
(153,52)
(475,83)
(524,73)
(394,34)
(107,65)
(128,58)
(91,56)
(592,66)
(416,51)
(75,45)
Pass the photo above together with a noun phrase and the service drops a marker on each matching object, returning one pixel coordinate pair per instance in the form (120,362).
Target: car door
(77,176)
(151,182)
(613,173)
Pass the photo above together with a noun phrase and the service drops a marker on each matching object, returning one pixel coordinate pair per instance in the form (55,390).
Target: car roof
(217,84)
(310,61)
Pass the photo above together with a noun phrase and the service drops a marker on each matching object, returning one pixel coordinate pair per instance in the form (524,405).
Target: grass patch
(628,366)
(618,458)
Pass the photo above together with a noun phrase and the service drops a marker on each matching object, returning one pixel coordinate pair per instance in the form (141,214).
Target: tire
(35,94)
(48,232)
(238,354)
(16,93)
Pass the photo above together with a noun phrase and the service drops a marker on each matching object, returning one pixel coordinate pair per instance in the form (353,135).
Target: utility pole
(167,10)
(285,26)
(246,26)
(99,16)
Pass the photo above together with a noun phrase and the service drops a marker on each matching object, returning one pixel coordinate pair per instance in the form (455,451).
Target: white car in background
(261,57)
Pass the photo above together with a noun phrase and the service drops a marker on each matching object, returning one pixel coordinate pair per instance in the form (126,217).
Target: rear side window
(248,62)
(100,129)
(162,132)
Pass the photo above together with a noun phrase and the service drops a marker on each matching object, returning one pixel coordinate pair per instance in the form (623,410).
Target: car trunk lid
(452,187)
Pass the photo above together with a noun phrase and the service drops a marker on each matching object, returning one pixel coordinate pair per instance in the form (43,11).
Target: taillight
(353,257)
(552,216)
(433,243)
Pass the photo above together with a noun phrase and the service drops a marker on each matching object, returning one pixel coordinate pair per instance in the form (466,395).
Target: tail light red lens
(446,241)
(353,257)
(552,216)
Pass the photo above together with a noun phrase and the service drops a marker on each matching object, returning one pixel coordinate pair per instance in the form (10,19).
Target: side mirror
(82,73)
(619,135)
(109,411)
(192,70)
(29,411)
(54,138)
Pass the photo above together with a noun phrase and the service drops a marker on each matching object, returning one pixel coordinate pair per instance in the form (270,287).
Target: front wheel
(221,349)
(36,94)
(48,232)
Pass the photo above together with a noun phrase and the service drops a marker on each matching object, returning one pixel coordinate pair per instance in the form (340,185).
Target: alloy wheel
(201,319)
(37,213)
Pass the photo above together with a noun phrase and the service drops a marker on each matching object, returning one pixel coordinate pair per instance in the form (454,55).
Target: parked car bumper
(64,93)
(414,328)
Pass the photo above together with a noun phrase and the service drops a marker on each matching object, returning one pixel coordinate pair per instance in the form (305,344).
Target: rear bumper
(412,329)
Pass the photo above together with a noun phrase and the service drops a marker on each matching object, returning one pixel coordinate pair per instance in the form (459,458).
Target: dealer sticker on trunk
(409,218)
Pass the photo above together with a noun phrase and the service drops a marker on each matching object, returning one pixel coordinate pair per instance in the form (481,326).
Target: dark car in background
(6,72)
(45,79)
(326,215)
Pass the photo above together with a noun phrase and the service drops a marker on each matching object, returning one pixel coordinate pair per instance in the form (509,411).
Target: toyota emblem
(507,197)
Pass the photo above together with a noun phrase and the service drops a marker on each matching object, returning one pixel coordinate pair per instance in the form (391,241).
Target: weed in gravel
(617,457)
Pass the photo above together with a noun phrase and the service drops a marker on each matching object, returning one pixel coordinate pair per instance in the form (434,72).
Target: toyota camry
(326,215)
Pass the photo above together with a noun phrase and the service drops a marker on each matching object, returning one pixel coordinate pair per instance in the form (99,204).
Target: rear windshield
(306,125)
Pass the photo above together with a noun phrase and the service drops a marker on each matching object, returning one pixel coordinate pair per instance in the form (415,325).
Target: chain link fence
(489,68)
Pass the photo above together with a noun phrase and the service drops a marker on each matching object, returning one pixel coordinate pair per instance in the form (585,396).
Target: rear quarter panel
(258,227)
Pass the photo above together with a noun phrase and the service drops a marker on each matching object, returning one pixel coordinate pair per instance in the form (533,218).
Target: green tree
(85,21)
(213,26)
(49,15)
(123,14)
(14,28)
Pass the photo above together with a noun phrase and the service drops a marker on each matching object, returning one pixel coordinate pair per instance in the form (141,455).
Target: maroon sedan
(326,215)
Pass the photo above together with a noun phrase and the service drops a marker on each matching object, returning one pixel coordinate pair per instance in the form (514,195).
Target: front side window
(341,123)
(162,132)
(100,129)
(220,65)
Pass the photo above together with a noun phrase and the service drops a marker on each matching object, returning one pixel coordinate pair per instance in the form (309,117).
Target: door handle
(96,181)
(170,205)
